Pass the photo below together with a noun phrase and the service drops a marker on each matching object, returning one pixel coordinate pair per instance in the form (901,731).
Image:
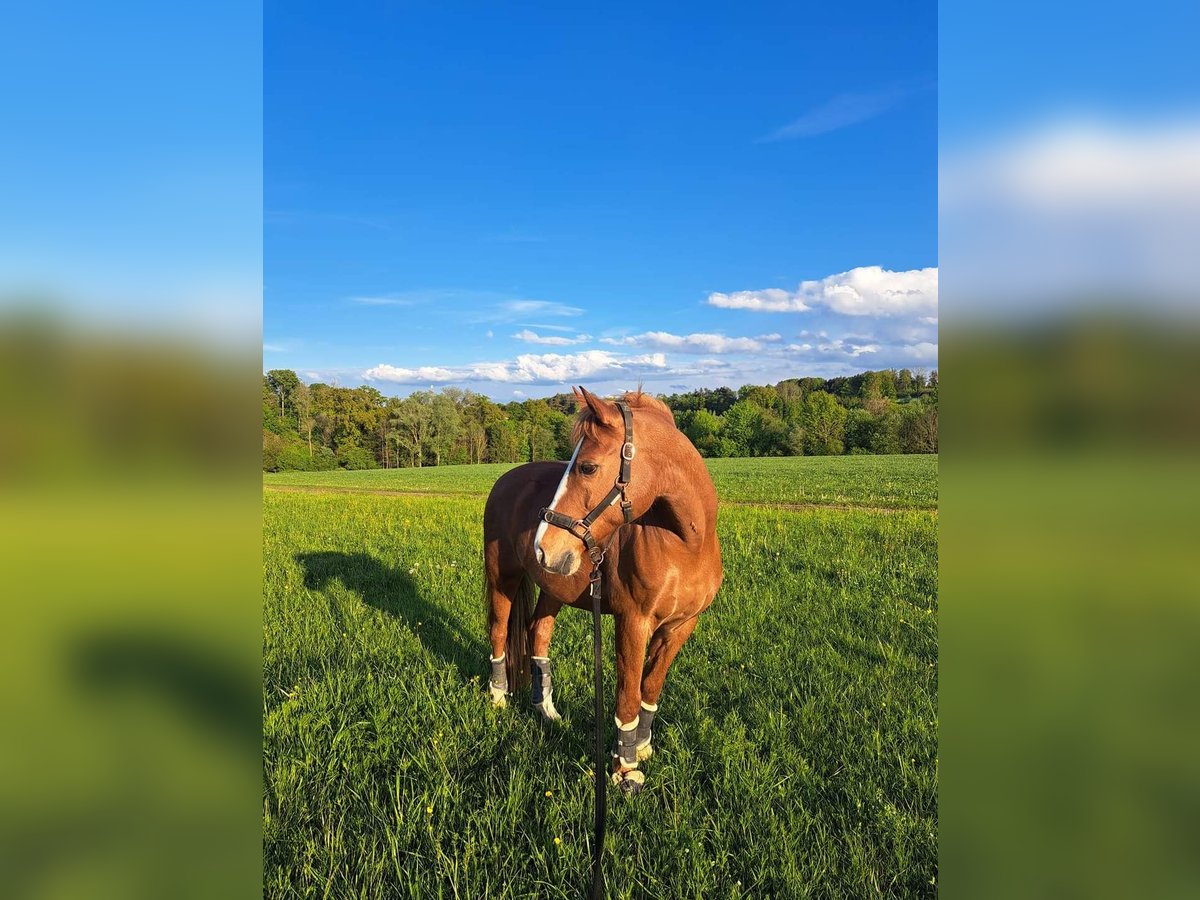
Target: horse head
(602,488)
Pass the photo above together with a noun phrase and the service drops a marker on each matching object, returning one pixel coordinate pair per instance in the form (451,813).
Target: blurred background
(130,335)
(1069,217)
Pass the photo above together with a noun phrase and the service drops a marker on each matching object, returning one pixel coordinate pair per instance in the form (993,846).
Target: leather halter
(582,528)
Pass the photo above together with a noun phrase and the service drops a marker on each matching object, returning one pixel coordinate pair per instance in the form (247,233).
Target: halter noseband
(582,528)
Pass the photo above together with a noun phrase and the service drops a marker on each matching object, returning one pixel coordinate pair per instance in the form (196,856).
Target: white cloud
(768,300)
(401,375)
(923,352)
(865,291)
(542,326)
(533,337)
(838,348)
(698,342)
(845,110)
(541,307)
(528,368)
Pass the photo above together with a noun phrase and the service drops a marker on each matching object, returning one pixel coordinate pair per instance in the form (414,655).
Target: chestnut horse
(659,558)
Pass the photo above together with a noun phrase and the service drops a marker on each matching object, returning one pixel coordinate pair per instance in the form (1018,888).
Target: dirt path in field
(795,507)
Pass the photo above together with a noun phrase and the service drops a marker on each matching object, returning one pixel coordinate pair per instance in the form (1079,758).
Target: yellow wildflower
(557,841)
(429,810)
(549,793)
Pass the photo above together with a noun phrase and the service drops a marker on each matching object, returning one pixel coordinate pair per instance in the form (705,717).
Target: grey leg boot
(543,688)
(644,733)
(498,686)
(625,759)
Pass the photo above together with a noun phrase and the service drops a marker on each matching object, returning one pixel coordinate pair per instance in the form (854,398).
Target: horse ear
(605,411)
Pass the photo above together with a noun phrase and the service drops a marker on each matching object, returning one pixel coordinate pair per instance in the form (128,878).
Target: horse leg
(540,631)
(632,633)
(501,592)
(665,644)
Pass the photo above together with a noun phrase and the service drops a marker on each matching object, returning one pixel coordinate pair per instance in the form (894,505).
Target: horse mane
(586,424)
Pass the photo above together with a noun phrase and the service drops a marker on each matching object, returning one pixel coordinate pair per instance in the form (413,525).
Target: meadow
(900,482)
(795,749)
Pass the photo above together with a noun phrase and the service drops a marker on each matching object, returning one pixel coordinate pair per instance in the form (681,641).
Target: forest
(319,426)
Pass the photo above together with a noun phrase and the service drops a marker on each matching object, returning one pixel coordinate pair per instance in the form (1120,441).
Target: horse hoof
(499,697)
(644,753)
(629,782)
(547,711)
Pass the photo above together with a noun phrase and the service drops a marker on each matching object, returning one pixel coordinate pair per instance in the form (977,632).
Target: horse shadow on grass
(392,591)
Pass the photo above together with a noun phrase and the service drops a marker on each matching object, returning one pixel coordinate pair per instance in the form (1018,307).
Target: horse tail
(518,648)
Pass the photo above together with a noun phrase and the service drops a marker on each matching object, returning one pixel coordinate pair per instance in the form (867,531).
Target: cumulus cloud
(552,340)
(528,368)
(865,291)
(837,348)
(402,375)
(698,342)
(923,351)
(768,300)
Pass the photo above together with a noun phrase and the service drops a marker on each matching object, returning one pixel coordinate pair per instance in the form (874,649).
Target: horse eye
(588,468)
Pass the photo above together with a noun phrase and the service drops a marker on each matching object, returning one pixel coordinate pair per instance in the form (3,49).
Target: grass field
(796,746)
(901,482)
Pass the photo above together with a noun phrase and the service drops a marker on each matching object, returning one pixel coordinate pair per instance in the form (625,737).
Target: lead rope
(600,763)
(582,529)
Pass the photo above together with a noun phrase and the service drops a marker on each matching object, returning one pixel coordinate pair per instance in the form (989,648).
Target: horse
(656,553)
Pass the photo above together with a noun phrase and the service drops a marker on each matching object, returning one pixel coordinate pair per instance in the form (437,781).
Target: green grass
(796,748)
(902,482)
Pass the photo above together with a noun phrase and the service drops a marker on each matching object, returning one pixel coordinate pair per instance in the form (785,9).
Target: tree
(704,431)
(302,399)
(282,383)
(319,426)
(885,437)
(859,431)
(444,426)
(770,435)
(918,431)
(412,427)
(739,424)
(824,422)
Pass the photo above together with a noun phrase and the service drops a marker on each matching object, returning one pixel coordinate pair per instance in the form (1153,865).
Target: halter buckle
(628,451)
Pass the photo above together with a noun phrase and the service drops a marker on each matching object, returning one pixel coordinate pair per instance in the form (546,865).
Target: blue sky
(131,162)
(516,198)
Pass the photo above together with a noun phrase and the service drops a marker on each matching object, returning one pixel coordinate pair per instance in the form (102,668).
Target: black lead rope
(601,775)
(582,529)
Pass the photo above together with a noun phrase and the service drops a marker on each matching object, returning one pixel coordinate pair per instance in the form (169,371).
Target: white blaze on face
(562,487)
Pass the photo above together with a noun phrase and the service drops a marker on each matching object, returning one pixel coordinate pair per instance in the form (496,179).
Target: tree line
(319,426)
